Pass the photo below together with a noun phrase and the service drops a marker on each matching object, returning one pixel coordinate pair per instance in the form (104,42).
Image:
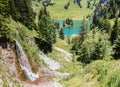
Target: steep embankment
(96,74)
(47,76)
(52,65)
(8,68)
(25,37)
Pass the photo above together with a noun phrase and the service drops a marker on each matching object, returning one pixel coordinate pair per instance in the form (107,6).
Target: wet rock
(1,82)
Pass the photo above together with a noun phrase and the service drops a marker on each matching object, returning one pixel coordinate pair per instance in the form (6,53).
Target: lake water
(75,29)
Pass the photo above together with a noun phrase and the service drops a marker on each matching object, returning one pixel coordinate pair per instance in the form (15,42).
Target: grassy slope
(26,38)
(97,74)
(92,75)
(79,77)
(57,55)
(74,12)
(62,44)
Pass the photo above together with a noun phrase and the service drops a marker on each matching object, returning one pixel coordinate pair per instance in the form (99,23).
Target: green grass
(26,38)
(58,56)
(57,11)
(75,12)
(96,74)
(62,44)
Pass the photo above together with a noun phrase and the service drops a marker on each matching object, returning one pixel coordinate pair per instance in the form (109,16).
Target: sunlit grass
(96,74)
(75,12)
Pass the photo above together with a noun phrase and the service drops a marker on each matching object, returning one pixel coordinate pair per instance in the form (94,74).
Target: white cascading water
(24,63)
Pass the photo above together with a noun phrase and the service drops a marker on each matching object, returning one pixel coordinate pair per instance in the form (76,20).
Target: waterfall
(24,63)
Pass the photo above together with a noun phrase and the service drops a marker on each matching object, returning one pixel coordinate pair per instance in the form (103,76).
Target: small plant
(112,79)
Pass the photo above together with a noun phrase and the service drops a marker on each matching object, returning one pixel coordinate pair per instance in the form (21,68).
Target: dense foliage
(101,43)
(21,10)
(111,9)
(46,31)
(105,41)
(46,28)
(4,7)
(5,31)
(95,46)
(115,39)
(61,34)
(79,40)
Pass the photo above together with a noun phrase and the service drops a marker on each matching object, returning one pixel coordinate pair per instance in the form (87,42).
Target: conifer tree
(115,31)
(21,10)
(4,7)
(115,39)
(61,34)
(5,31)
(117,47)
(83,32)
(46,28)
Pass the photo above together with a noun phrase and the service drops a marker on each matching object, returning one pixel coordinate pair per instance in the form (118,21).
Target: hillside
(58,11)
(35,52)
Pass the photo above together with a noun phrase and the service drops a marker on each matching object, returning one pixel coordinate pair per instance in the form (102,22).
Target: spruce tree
(46,28)
(117,47)
(115,31)
(61,34)
(83,31)
(115,39)
(79,40)
(5,31)
(21,10)
(4,8)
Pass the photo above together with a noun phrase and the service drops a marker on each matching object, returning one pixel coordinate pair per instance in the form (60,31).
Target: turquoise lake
(75,29)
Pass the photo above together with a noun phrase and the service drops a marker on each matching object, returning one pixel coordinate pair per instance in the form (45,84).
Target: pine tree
(5,31)
(46,28)
(114,31)
(80,39)
(4,7)
(117,47)
(21,10)
(61,34)
(83,31)
(115,39)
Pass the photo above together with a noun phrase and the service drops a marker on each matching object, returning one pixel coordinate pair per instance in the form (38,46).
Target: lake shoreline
(75,29)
